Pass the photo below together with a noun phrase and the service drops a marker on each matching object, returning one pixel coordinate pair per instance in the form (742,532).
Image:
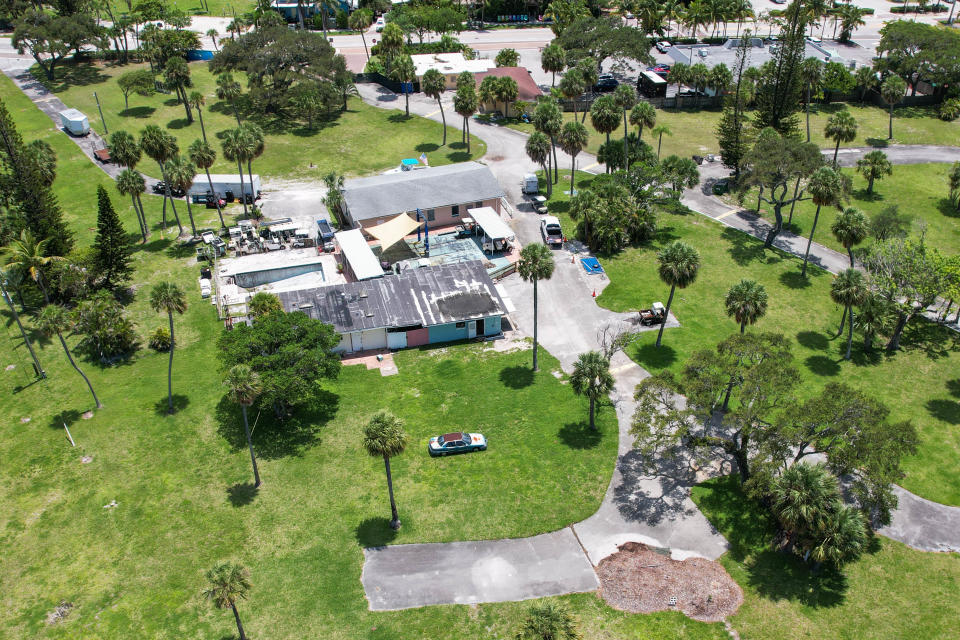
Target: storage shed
(75,122)
(224,182)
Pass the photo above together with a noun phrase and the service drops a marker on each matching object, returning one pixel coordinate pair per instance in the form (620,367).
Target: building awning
(393,231)
(491,223)
(359,255)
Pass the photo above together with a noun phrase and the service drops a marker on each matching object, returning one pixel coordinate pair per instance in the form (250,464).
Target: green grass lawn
(694,130)
(917,383)
(919,190)
(218,8)
(362,140)
(784,599)
(182,482)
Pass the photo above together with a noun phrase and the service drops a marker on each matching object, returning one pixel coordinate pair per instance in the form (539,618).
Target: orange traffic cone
(594,293)
(573,259)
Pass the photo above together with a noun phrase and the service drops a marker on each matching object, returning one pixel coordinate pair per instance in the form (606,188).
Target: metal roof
(491,223)
(358,253)
(418,297)
(387,195)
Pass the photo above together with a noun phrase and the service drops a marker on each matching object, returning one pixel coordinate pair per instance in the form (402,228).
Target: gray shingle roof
(426,297)
(387,195)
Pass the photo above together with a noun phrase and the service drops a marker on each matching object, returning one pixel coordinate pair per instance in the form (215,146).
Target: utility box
(530,183)
(75,122)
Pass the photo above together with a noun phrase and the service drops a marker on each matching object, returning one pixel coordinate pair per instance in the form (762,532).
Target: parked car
(540,204)
(655,315)
(605,82)
(663,45)
(205,288)
(456,442)
(551,231)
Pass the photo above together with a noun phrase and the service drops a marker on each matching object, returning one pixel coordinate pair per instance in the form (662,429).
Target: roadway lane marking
(590,166)
(724,215)
(429,115)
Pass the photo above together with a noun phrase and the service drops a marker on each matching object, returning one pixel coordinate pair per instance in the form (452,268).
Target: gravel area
(639,579)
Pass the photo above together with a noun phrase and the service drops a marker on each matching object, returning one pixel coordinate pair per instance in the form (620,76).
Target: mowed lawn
(182,482)
(918,383)
(359,141)
(918,190)
(693,130)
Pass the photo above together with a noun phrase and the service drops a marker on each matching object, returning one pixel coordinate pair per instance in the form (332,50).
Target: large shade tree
(384,437)
(536,263)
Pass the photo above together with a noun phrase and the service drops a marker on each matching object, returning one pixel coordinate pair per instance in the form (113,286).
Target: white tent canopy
(393,231)
(491,223)
(359,255)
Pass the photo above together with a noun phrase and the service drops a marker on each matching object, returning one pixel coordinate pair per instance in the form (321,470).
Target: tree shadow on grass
(933,340)
(398,117)
(861,194)
(947,208)
(179,123)
(242,494)
(138,112)
(822,365)
(458,156)
(427,147)
(154,245)
(375,532)
(179,250)
(579,435)
(795,280)
(813,340)
(516,377)
(162,406)
(953,386)
(171,102)
(653,357)
(878,143)
(946,410)
(779,576)
(744,248)
(67,416)
(68,75)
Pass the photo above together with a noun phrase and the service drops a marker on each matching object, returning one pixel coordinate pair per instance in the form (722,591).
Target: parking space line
(432,114)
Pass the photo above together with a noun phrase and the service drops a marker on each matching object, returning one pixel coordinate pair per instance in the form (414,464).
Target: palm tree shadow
(654,357)
(516,377)
(162,406)
(375,532)
(67,416)
(242,494)
(579,435)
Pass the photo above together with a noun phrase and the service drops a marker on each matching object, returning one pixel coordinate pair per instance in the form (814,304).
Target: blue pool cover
(591,265)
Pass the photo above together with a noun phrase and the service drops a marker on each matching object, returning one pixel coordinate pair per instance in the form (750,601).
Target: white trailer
(75,122)
(224,182)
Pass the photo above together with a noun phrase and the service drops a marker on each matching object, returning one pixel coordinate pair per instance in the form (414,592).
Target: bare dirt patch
(638,579)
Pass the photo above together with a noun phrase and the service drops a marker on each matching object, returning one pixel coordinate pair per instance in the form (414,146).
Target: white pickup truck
(551,231)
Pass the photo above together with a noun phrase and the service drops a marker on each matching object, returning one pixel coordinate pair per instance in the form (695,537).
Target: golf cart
(655,315)
(540,204)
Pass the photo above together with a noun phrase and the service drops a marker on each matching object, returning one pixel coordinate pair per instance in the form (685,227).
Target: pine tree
(111,247)
(733,140)
(778,94)
(22,185)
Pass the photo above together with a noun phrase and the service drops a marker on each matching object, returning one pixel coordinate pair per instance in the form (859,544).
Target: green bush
(950,109)
(912,8)
(374,65)
(342,17)
(160,339)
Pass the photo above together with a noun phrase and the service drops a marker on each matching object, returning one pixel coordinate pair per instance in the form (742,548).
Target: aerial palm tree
(28,255)
(679,75)
(874,166)
(842,127)
(842,535)
(197,100)
(124,149)
(230,91)
(229,582)
(679,265)
(131,183)
(404,71)
(572,86)
(573,139)
(661,130)
(235,148)
(160,147)
(54,319)
(826,187)
(605,118)
(592,378)
(535,264)
(850,229)
(746,302)
(168,297)
(465,104)
(358,21)
(548,119)
(849,289)
(384,437)
(892,91)
(244,388)
(873,318)
(181,172)
(14,277)
(203,156)
(799,497)
(212,34)
(625,97)
(538,150)
(255,144)
(433,84)
(643,115)
(811,74)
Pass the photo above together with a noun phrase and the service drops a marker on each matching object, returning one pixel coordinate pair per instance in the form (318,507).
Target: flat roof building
(450,65)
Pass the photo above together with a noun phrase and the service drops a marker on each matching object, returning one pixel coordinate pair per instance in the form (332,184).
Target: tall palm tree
(465,104)
(605,118)
(384,437)
(892,91)
(842,127)
(849,289)
(643,115)
(124,149)
(203,156)
(548,119)
(625,97)
(826,187)
(168,297)
(131,183)
(160,147)
(572,86)
(403,70)
(28,255)
(811,74)
(181,172)
(661,130)
(433,84)
(244,388)
(54,320)
(12,277)
(592,378)
(573,139)
(874,166)
(255,144)
(212,34)
(197,100)
(679,75)
(535,264)
(873,318)
(229,582)
(850,229)
(229,90)
(235,149)
(538,150)
(679,266)
(358,21)
(746,302)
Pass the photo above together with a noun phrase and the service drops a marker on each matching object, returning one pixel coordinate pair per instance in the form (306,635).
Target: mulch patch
(638,579)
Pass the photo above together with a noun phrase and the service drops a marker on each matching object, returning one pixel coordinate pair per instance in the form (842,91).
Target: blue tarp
(591,265)
(199,54)
(409,162)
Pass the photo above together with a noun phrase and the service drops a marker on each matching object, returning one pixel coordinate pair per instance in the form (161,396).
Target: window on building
(478,205)
(431,214)
(456,211)
(461,325)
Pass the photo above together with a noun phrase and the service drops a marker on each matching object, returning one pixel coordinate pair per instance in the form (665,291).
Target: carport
(497,233)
